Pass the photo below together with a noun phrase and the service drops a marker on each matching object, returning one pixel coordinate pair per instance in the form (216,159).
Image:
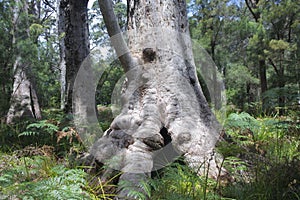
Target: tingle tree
(75,47)
(162,100)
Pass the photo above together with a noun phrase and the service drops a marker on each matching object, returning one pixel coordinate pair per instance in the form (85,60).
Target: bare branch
(114,31)
(46,2)
(274,66)
(252,12)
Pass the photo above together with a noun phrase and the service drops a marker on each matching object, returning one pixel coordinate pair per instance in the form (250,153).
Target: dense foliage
(255,45)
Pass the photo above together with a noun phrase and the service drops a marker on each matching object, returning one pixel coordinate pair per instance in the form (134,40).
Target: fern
(134,191)
(141,192)
(46,180)
(40,127)
(242,121)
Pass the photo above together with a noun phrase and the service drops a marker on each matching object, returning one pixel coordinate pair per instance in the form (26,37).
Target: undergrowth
(180,182)
(40,178)
(261,154)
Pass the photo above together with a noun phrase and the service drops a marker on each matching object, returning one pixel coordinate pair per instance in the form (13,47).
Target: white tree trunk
(62,49)
(163,97)
(24,100)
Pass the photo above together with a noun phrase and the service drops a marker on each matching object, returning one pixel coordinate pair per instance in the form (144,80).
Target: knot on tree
(149,55)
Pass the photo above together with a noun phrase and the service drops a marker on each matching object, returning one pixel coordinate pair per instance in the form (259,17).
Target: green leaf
(278,44)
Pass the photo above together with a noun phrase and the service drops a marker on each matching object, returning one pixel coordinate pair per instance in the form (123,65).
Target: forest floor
(39,161)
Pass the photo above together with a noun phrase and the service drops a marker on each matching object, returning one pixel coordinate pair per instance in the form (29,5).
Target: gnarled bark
(163,99)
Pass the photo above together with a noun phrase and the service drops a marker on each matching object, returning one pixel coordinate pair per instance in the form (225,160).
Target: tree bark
(76,43)
(162,100)
(80,88)
(24,100)
(263,76)
(263,81)
(61,5)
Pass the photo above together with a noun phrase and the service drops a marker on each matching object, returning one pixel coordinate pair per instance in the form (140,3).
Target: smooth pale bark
(24,100)
(114,30)
(162,99)
(62,49)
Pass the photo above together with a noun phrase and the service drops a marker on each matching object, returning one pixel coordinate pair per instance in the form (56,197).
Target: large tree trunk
(24,100)
(163,99)
(80,84)
(76,43)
